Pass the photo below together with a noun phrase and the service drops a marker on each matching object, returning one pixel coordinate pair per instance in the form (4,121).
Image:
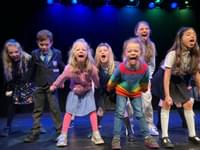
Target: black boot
(131,137)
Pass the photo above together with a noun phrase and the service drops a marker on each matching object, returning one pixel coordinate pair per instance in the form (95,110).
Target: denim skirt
(80,105)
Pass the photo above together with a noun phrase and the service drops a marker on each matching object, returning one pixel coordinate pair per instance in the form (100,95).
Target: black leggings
(11,111)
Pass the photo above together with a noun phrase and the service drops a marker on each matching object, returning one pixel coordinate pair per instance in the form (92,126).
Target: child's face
(143,31)
(13,53)
(80,52)
(132,53)
(189,38)
(44,45)
(103,54)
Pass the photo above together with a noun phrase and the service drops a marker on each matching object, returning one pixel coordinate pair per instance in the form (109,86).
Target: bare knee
(188,105)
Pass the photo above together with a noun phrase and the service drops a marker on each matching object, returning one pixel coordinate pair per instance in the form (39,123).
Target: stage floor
(78,140)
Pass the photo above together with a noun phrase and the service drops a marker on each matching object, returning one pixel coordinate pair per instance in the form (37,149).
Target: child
(142,31)
(170,83)
(15,66)
(81,72)
(130,79)
(106,64)
(46,65)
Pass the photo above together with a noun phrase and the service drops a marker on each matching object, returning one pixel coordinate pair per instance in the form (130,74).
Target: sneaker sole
(61,145)
(97,143)
(152,146)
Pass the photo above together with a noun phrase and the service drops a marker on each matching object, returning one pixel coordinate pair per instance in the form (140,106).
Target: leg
(39,99)
(10,115)
(127,115)
(148,112)
(189,116)
(181,114)
(118,118)
(159,122)
(149,141)
(62,138)
(164,117)
(54,108)
(96,137)
(100,105)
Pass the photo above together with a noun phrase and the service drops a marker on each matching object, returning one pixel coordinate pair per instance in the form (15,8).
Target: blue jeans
(136,104)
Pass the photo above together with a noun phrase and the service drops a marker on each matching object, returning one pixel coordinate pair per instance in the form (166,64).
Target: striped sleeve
(114,79)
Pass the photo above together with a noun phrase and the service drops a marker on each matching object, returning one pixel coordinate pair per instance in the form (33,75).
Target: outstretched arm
(61,79)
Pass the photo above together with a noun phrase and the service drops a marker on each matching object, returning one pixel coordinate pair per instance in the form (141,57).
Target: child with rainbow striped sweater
(130,79)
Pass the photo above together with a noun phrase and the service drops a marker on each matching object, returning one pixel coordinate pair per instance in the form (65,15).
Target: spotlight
(174,5)
(134,3)
(151,5)
(50,2)
(74,1)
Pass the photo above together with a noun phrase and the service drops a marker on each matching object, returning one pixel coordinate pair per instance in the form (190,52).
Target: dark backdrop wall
(96,24)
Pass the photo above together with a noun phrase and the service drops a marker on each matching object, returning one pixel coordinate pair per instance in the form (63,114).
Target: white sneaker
(61,140)
(96,138)
(153,131)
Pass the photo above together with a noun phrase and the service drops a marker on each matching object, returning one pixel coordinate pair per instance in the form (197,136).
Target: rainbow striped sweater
(128,82)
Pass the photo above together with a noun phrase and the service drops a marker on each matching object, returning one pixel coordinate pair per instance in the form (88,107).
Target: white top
(169,60)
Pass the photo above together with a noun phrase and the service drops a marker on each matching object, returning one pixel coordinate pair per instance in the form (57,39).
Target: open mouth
(191,42)
(80,56)
(103,56)
(144,34)
(133,58)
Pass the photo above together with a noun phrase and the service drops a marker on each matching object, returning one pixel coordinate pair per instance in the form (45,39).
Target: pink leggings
(68,117)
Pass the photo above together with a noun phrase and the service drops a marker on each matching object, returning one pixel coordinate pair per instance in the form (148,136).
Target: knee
(119,114)
(188,105)
(139,115)
(165,105)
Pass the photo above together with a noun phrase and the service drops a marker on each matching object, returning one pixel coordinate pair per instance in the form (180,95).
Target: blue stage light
(151,5)
(174,5)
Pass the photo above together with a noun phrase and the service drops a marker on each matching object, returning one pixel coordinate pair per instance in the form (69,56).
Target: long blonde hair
(8,63)
(89,60)
(111,62)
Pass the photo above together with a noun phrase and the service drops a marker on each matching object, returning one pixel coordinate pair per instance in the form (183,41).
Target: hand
(100,111)
(169,100)
(52,88)
(62,86)
(9,93)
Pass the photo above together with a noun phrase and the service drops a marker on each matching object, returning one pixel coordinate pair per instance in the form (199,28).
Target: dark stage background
(113,24)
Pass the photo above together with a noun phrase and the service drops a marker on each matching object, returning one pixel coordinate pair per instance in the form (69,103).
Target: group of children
(95,82)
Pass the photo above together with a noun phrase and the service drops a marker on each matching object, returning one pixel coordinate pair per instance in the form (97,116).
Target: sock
(189,116)
(164,117)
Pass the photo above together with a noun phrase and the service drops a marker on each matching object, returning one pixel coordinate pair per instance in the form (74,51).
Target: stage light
(174,5)
(187,3)
(50,2)
(74,1)
(151,5)
(134,3)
